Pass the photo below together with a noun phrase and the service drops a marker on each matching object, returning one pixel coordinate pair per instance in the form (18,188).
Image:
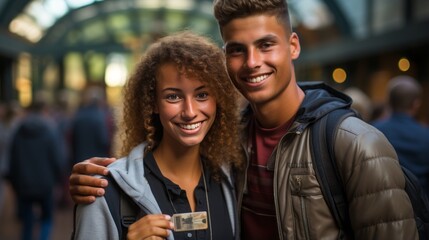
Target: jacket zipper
(304,218)
(298,131)
(303,211)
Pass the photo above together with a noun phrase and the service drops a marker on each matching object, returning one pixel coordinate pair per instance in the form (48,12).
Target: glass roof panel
(57,8)
(174,20)
(80,3)
(72,37)
(180,5)
(2,4)
(39,15)
(387,15)
(149,4)
(357,13)
(94,31)
(43,17)
(118,21)
(27,27)
(313,14)
(201,25)
(145,17)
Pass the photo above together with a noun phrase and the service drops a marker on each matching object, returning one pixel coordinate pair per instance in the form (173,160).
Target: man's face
(259,53)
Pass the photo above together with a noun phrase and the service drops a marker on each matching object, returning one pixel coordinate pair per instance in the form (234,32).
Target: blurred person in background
(409,137)
(35,168)
(6,126)
(62,115)
(90,134)
(361,102)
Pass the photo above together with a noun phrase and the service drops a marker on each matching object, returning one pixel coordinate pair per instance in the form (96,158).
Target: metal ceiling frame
(56,34)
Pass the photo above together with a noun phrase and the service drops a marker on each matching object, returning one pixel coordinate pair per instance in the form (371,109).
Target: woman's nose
(189,109)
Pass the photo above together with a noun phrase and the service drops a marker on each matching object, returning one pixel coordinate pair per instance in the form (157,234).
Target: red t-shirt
(258,211)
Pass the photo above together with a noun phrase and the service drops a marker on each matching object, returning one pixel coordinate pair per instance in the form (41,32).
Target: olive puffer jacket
(379,207)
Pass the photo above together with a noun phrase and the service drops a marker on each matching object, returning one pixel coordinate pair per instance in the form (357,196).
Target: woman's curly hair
(196,56)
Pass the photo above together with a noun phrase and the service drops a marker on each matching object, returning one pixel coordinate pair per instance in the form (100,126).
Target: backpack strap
(323,138)
(123,209)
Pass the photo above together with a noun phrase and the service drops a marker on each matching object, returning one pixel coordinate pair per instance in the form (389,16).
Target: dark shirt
(258,214)
(164,190)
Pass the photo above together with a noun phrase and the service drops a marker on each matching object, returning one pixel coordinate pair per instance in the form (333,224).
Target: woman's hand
(154,226)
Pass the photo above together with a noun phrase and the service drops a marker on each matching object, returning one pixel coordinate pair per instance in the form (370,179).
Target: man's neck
(279,110)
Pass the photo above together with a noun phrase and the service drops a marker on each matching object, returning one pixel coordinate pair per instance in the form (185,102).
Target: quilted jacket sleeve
(379,207)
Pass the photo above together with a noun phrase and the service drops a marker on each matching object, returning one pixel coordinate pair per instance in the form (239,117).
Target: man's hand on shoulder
(84,187)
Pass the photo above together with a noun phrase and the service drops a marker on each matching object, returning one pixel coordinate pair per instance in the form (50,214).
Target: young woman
(180,134)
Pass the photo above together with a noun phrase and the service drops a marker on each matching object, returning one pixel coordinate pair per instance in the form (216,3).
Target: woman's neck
(178,162)
(182,166)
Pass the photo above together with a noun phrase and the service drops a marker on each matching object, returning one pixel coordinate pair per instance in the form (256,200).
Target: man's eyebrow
(268,37)
(231,44)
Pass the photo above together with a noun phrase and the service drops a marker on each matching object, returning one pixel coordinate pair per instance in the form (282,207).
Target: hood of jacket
(320,99)
(128,172)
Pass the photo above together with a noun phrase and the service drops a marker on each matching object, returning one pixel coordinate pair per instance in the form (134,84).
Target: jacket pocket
(312,218)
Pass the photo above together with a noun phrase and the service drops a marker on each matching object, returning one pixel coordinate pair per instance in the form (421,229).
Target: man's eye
(234,50)
(266,45)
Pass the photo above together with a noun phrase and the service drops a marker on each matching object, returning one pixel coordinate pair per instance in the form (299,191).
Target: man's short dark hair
(227,10)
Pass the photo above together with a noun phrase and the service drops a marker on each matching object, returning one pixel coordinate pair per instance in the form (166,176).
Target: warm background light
(339,75)
(404,64)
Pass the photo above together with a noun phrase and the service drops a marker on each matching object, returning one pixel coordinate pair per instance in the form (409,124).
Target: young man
(279,195)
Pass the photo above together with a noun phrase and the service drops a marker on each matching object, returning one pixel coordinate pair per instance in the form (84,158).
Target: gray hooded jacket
(94,221)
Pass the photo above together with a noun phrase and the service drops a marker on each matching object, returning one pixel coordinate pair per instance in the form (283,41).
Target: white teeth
(190,126)
(257,79)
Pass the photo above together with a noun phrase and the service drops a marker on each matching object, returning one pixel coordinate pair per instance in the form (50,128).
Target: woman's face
(186,107)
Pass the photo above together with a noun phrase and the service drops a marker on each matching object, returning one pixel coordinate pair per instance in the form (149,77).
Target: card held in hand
(190,221)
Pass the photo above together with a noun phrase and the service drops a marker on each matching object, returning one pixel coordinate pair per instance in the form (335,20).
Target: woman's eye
(172,97)
(202,96)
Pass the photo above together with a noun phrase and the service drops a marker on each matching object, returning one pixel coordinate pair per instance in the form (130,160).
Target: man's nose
(253,59)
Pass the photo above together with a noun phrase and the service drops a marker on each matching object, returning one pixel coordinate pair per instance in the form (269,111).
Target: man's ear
(295,46)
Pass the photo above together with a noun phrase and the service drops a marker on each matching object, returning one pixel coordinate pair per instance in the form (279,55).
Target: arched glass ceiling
(124,24)
(39,15)
(116,23)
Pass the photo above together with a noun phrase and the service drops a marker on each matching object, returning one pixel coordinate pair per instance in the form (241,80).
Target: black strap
(123,209)
(323,139)
(129,211)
